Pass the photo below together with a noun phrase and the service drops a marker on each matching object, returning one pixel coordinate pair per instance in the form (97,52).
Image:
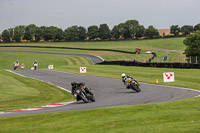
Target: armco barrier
(160,65)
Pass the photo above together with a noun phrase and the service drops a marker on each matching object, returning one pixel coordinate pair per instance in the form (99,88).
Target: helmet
(73,83)
(123,75)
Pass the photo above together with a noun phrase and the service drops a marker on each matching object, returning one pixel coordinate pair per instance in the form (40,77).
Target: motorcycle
(134,85)
(82,93)
(16,66)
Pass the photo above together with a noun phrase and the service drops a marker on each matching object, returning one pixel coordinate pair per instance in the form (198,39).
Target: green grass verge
(171,43)
(8,59)
(18,92)
(171,117)
(160,46)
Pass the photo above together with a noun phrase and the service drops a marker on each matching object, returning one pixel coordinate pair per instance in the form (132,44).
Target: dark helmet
(73,83)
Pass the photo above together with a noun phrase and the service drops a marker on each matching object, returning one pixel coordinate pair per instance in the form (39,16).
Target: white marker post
(82,69)
(168,77)
(50,67)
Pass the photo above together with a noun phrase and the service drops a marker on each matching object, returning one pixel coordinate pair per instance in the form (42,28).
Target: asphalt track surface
(108,92)
(94,59)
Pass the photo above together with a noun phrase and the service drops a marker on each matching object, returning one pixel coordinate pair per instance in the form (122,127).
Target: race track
(93,58)
(108,92)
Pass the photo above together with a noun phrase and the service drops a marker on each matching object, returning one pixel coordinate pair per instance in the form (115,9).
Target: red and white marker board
(168,77)
(50,67)
(82,69)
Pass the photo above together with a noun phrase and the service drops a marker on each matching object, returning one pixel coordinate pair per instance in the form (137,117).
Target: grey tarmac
(108,92)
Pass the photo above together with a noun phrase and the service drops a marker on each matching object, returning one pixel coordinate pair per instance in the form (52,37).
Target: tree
(19,33)
(93,32)
(104,32)
(38,34)
(41,32)
(122,30)
(49,33)
(197,27)
(11,33)
(130,28)
(82,33)
(59,34)
(192,42)
(187,29)
(71,33)
(30,32)
(75,33)
(27,35)
(174,29)
(5,36)
(115,32)
(140,31)
(151,32)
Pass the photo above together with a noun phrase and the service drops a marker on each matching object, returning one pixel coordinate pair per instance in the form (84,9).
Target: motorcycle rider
(125,79)
(35,64)
(16,64)
(75,85)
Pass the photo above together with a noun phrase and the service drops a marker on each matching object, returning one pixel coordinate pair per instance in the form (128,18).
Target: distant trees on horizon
(131,29)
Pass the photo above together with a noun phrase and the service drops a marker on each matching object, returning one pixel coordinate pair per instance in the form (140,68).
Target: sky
(66,13)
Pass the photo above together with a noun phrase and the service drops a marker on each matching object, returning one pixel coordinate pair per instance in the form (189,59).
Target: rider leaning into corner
(125,80)
(16,64)
(75,85)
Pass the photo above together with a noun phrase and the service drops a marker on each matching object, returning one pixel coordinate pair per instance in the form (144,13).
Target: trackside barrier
(160,65)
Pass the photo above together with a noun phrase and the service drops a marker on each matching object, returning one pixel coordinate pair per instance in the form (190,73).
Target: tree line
(131,29)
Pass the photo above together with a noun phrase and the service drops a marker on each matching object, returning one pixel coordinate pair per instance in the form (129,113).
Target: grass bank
(178,116)
(171,43)
(8,59)
(160,46)
(18,92)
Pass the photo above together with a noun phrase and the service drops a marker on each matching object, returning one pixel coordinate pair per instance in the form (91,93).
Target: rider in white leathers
(125,79)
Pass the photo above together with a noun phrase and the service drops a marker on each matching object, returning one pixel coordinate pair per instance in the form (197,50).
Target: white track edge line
(174,87)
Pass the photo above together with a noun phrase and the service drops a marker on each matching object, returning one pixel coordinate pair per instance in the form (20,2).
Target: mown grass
(107,55)
(172,44)
(160,46)
(8,59)
(18,92)
(178,116)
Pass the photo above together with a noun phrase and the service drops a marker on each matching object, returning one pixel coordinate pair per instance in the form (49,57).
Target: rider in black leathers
(75,85)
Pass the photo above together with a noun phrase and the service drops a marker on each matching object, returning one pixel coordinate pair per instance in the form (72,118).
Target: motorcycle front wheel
(83,97)
(136,88)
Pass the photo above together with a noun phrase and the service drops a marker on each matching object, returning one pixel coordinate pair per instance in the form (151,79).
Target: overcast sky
(65,13)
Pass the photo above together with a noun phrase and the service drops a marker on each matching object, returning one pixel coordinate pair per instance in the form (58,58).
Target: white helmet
(123,75)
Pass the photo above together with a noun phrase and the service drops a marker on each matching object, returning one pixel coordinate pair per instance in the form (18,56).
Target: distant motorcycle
(133,84)
(82,93)
(16,66)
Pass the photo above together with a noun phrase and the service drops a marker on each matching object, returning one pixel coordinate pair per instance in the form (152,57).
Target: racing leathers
(125,80)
